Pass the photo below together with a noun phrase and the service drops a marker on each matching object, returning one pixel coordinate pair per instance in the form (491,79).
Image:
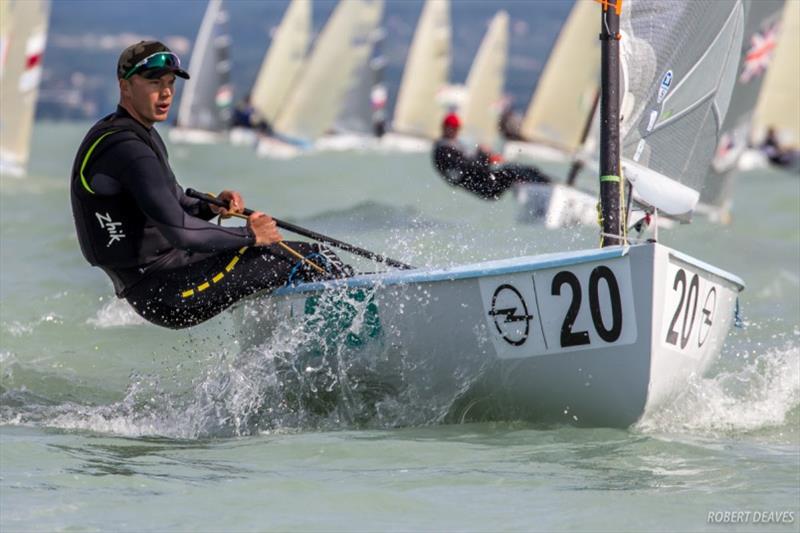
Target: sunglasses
(157,60)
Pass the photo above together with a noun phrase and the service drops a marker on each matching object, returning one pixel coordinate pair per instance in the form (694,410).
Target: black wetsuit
(476,174)
(155,243)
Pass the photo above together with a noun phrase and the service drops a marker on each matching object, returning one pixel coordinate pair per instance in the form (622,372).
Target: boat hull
(593,338)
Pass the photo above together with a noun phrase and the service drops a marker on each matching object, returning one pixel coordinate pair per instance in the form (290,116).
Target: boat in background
(279,70)
(204,113)
(418,112)
(565,95)
(484,88)
(23,38)
(592,337)
(332,69)
(762,29)
(360,120)
(778,106)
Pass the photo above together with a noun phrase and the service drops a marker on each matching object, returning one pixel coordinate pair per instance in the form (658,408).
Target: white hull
(555,205)
(347,142)
(243,137)
(179,135)
(398,142)
(274,148)
(592,338)
(526,151)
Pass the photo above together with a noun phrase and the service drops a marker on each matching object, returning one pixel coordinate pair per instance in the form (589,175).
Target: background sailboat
(762,28)
(355,127)
(418,114)
(565,94)
(23,37)
(331,70)
(779,106)
(279,70)
(484,96)
(205,109)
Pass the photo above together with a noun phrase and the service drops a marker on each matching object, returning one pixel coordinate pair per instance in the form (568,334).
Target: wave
(761,395)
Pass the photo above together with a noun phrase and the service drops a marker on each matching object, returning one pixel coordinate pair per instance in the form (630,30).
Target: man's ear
(124,87)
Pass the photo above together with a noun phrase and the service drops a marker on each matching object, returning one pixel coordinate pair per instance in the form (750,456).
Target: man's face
(450,132)
(148,100)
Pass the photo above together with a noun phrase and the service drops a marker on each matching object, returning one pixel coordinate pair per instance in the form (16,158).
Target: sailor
(481,173)
(135,222)
(246,116)
(772,148)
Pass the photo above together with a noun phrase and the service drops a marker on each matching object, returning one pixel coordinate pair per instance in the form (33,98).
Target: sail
(679,66)
(332,69)
(779,105)
(762,28)
(485,82)
(208,96)
(23,37)
(358,114)
(284,60)
(566,90)
(417,111)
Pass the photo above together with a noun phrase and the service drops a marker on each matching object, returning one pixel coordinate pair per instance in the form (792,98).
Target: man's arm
(159,198)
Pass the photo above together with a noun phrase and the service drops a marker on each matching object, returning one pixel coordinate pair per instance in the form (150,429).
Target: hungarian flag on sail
(32,73)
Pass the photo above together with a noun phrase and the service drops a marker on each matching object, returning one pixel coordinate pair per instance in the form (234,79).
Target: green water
(108,423)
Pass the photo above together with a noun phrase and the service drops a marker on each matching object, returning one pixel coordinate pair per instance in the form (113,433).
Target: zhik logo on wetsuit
(114,228)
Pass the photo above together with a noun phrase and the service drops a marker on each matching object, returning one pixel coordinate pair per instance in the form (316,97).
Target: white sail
(417,111)
(284,60)
(331,71)
(761,31)
(23,37)
(357,114)
(679,66)
(485,82)
(566,90)
(779,105)
(208,96)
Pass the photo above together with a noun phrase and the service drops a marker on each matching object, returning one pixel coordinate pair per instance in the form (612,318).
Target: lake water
(109,423)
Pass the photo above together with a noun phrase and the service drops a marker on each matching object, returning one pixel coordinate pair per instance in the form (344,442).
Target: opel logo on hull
(510,314)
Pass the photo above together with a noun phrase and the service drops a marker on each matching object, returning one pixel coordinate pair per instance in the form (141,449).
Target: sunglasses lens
(156,61)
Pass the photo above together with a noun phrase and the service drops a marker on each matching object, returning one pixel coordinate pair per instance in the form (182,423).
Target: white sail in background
(485,82)
(679,63)
(357,113)
(762,29)
(284,60)
(417,111)
(566,90)
(23,36)
(342,47)
(208,96)
(779,104)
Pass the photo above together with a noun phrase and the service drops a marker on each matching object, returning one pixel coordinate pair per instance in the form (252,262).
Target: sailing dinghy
(23,36)
(418,113)
(332,69)
(204,113)
(593,337)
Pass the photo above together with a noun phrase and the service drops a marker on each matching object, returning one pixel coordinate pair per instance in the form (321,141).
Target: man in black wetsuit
(480,173)
(156,244)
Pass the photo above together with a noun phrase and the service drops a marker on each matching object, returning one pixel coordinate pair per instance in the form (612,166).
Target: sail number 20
(578,338)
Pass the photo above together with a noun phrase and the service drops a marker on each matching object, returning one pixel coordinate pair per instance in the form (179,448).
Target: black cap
(136,52)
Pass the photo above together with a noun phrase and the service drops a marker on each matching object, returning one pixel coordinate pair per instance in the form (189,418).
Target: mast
(609,123)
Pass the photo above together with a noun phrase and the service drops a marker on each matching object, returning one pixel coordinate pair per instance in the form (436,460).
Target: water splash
(762,394)
(116,313)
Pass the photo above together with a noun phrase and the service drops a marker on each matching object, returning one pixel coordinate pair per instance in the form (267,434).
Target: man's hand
(264,228)
(234,201)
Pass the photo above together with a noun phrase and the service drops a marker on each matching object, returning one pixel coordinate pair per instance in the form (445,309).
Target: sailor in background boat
(775,153)
(246,116)
(136,223)
(480,173)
